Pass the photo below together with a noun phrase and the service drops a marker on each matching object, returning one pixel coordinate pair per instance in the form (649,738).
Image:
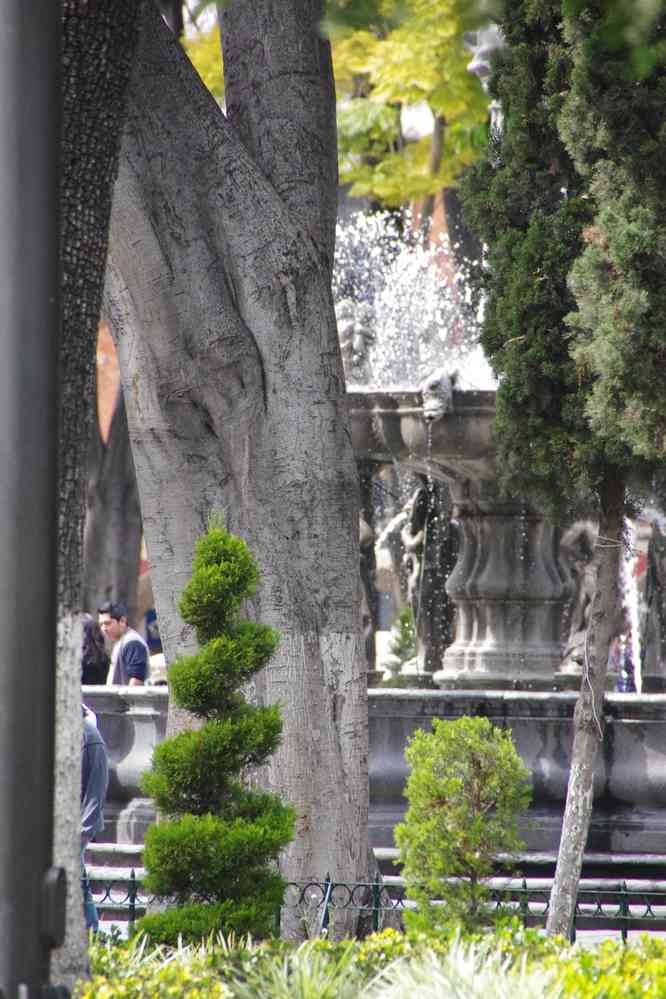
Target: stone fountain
(509,586)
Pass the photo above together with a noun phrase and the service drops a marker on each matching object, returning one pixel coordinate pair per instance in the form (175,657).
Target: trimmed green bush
(214,856)
(466,790)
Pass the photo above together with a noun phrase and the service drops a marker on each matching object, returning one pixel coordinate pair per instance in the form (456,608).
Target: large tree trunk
(98,41)
(589,713)
(218,293)
(112,538)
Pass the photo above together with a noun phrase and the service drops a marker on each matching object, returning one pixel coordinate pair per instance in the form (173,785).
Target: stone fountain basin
(629,814)
(388,425)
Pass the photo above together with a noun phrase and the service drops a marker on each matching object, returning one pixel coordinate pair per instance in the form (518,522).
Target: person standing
(129,658)
(94,784)
(94,657)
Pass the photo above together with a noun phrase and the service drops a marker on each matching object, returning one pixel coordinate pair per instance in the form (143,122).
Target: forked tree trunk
(589,713)
(98,41)
(112,538)
(218,294)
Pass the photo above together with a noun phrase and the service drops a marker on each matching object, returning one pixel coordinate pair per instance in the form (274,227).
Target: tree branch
(283,105)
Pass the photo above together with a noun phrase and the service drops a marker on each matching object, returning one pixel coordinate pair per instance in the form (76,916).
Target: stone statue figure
(437,394)
(356,338)
(577,552)
(430,551)
(368,563)
(483,44)
(653,666)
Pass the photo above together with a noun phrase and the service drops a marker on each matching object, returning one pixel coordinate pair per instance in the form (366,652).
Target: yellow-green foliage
(324,969)
(205,52)
(407,52)
(419,57)
(135,972)
(612,971)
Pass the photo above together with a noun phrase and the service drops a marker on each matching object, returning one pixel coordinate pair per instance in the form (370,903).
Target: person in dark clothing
(95,659)
(94,783)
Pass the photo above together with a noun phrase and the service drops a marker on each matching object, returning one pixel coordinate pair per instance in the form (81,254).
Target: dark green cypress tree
(529,205)
(213,857)
(571,203)
(614,126)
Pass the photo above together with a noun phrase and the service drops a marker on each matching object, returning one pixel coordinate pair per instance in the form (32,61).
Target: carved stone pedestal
(509,593)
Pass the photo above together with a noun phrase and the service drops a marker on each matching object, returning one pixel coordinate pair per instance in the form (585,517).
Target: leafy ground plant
(466,971)
(510,964)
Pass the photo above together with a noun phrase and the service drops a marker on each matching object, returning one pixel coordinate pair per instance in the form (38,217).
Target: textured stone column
(508,590)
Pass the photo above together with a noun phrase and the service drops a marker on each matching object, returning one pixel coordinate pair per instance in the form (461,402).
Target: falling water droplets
(404,309)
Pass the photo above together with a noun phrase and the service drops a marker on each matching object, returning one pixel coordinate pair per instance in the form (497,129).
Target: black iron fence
(601,905)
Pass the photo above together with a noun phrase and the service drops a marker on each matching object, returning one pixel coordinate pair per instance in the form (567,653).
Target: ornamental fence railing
(601,904)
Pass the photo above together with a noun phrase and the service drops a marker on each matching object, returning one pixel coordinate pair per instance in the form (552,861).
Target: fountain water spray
(404,309)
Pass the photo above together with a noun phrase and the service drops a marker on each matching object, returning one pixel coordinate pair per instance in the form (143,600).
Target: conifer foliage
(214,855)
(529,205)
(467,790)
(571,203)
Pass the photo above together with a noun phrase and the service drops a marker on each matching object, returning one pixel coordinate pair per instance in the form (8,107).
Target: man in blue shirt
(129,659)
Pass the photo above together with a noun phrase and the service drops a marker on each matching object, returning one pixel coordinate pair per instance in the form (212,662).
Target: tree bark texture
(98,42)
(112,538)
(588,720)
(218,293)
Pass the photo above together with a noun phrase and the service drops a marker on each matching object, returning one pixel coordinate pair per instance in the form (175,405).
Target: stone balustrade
(629,814)
(132,721)
(630,783)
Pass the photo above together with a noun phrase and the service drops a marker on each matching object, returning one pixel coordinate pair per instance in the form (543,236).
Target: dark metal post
(524,903)
(624,911)
(328,888)
(376,902)
(131,895)
(29,330)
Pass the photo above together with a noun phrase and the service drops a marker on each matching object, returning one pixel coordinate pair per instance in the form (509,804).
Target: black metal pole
(29,332)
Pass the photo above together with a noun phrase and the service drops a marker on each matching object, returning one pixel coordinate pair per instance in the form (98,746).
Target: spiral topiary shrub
(214,856)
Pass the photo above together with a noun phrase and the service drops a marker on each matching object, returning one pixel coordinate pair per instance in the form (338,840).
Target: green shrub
(214,856)
(196,771)
(466,790)
(403,636)
(207,683)
(196,922)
